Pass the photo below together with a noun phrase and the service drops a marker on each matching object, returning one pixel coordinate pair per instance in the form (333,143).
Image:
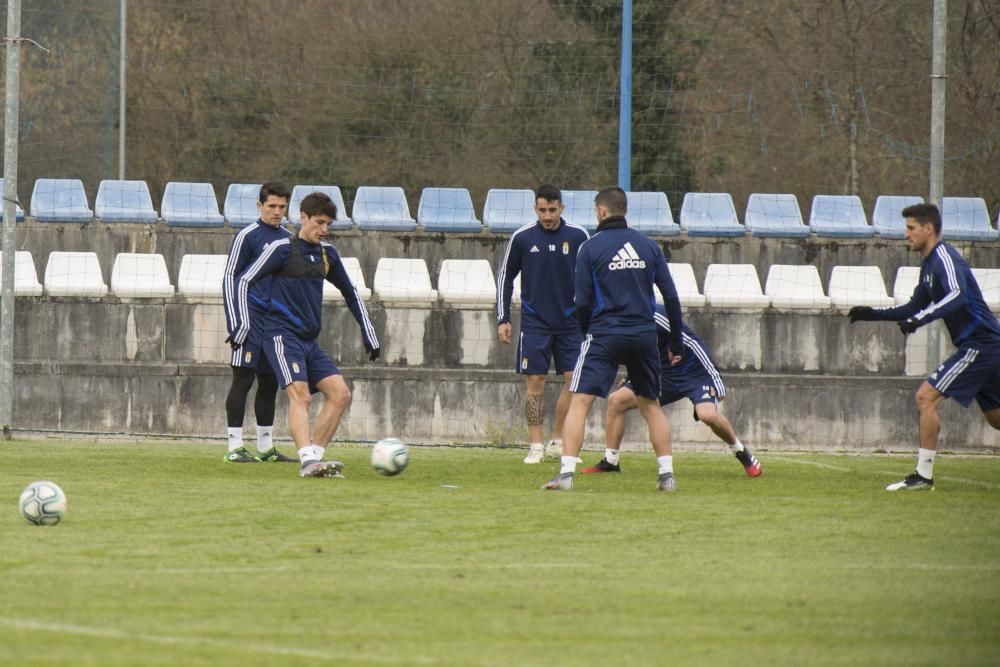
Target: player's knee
(708,414)
(993,418)
(536,384)
(618,402)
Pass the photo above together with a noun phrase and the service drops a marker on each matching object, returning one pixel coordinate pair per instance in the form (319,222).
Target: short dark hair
(276,189)
(613,199)
(548,192)
(925,214)
(317,203)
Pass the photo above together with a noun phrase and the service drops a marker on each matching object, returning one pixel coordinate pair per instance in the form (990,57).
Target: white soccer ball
(390,456)
(43,503)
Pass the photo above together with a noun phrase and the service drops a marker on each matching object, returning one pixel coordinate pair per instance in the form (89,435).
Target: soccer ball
(390,457)
(43,503)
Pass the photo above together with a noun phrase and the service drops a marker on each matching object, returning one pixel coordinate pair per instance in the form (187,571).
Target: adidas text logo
(626,258)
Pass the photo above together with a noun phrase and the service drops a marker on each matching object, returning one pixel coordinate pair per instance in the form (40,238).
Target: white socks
(235,435)
(611,456)
(568,464)
(311,453)
(925,462)
(736,447)
(264,441)
(666,464)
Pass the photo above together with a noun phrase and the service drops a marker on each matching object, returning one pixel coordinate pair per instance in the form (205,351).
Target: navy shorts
(973,372)
(251,354)
(535,352)
(601,355)
(298,360)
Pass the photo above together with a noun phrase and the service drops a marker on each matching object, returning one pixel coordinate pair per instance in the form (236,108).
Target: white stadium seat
(858,286)
(25,278)
(201,276)
(467,281)
(734,286)
(74,274)
(140,275)
(906,281)
(353,268)
(687,286)
(403,280)
(989,285)
(795,286)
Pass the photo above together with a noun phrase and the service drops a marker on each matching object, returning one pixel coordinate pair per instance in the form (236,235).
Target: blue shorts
(696,384)
(535,352)
(251,354)
(601,355)
(972,372)
(298,360)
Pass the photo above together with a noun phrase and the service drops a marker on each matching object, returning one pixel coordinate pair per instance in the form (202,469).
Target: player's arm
(337,276)
(236,263)
(920,299)
(273,258)
(945,273)
(671,303)
(510,267)
(583,285)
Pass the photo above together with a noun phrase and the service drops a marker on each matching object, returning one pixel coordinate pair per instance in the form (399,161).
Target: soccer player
(246,359)
(695,378)
(947,291)
(544,253)
(615,274)
(297,267)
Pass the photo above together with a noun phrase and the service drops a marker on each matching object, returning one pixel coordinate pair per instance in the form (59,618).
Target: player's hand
(861,314)
(908,326)
(674,357)
(232,343)
(503,331)
(374,353)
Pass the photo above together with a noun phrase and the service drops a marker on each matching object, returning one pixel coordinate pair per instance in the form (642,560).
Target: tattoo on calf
(533,409)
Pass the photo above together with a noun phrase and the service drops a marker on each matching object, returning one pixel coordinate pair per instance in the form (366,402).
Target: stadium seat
(710,214)
(403,280)
(60,200)
(989,285)
(734,286)
(124,201)
(201,276)
(508,210)
(686,285)
(353,268)
(966,219)
(447,210)
(382,208)
(190,205)
(18,211)
(649,213)
(467,281)
(858,286)
(795,286)
(840,216)
(74,274)
(140,275)
(579,208)
(240,206)
(299,192)
(886,218)
(775,216)
(25,278)
(907,278)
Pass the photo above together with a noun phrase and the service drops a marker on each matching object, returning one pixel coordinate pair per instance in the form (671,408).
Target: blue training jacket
(246,247)
(696,353)
(547,262)
(615,273)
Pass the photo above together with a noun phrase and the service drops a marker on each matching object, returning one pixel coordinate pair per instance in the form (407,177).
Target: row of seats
(472,281)
(451,210)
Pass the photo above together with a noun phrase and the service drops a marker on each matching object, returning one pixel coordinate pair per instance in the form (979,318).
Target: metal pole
(122,48)
(11,111)
(625,108)
(939,40)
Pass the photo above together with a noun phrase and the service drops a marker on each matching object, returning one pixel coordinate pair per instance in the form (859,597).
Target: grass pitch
(168,556)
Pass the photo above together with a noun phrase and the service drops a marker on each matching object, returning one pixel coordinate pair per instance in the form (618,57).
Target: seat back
(447,210)
(467,281)
(139,275)
(299,192)
(18,211)
(793,286)
(685,284)
(508,210)
(201,276)
(579,208)
(74,274)
(190,205)
(382,208)
(25,278)
(60,200)
(989,285)
(886,217)
(124,201)
(966,219)
(734,286)
(710,214)
(775,215)
(240,206)
(353,268)
(839,216)
(858,286)
(649,213)
(405,280)
(906,281)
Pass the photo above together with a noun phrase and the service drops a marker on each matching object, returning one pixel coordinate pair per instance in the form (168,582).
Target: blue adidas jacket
(615,273)
(547,263)
(246,247)
(947,290)
(696,353)
(295,304)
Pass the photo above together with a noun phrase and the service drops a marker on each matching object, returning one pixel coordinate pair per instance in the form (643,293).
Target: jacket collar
(614,222)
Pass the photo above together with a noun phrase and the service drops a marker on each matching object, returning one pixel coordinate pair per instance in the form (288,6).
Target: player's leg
(236,403)
(620,402)
(708,413)
(928,399)
(554,446)
(263,406)
(659,437)
(993,417)
(534,397)
(565,351)
(324,377)
(337,396)
(573,432)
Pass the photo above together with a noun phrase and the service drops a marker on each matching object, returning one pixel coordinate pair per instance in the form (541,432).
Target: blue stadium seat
(579,208)
(966,219)
(447,210)
(124,201)
(710,214)
(382,208)
(60,200)
(649,213)
(18,211)
(240,206)
(841,216)
(886,218)
(299,192)
(775,216)
(509,210)
(190,205)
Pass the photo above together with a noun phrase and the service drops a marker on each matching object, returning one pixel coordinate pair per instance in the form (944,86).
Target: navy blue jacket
(547,262)
(696,353)
(947,290)
(246,247)
(615,273)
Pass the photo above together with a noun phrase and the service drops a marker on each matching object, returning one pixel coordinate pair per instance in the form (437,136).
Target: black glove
(861,314)
(232,343)
(373,353)
(908,326)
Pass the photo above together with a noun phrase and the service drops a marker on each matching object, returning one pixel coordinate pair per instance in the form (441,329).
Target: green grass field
(168,556)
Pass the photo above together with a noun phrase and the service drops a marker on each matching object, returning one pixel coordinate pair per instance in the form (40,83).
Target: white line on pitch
(792,459)
(917,566)
(108,633)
